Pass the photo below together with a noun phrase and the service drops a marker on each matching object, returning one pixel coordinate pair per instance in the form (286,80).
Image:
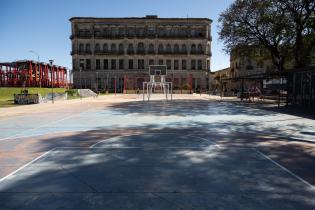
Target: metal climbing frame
(32,74)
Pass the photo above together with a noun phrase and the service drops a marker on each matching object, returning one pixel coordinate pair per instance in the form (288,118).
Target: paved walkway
(122,153)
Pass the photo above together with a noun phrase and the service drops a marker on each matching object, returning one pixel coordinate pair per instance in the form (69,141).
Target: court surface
(184,154)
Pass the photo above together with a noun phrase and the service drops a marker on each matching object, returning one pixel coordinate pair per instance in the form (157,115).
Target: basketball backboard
(157,70)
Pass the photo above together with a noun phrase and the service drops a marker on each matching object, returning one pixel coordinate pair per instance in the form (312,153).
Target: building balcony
(136,36)
(106,36)
(81,52)
(81,36)
(108,53)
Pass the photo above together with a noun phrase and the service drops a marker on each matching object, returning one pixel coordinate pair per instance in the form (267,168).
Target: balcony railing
(140,36)
(134,53)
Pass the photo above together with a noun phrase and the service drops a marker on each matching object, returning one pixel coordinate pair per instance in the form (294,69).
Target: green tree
(301,19)
(274,24)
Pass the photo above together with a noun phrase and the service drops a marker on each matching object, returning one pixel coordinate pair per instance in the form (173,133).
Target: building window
(176,67)
(184,64)
(151,49)
(121,32)
(168,48)
(193,49)
(131,32)
(73,64)
(121,64)
(140,48)
(140,64)
(121,49)
(87,48)
(105,48)
(81,48)
(113,48)
(168,64)
(199,64)
(200,50)
(130,49)
(97,64)
(88,63)
(160,62)
(176,48)
(105,62)
(130,64)
(97,48)
(81,64)
(193,64)
(208,65)
(184,49)
(160,49)
(151,62)
(113,63)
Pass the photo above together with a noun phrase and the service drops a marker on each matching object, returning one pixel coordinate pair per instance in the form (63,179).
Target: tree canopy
(281,26)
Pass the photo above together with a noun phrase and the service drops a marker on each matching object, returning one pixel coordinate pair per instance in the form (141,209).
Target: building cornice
(137,19)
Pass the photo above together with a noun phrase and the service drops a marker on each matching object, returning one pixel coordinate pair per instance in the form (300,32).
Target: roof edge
(136,18)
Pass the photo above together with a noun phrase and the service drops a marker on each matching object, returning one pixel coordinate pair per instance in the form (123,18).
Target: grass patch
(7,103)
(7,94)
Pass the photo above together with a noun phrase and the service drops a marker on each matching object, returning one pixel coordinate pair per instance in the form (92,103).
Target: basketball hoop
(157,72)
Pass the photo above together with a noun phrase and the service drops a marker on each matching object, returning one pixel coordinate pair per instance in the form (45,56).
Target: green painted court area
(180,154)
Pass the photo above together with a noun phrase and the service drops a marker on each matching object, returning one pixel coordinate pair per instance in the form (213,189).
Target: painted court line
(285,169)
(44,125)
(93,145)
(208,140)
(212,142)
(27,164)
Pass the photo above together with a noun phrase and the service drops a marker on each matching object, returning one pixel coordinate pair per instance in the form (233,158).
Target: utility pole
(40,76)
(52,82)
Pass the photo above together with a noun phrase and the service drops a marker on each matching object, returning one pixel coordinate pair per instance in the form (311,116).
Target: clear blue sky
(43,26)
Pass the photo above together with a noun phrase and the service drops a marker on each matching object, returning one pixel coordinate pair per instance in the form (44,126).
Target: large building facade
(115,53)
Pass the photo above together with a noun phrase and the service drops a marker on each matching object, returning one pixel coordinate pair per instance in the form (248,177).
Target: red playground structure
(29,73)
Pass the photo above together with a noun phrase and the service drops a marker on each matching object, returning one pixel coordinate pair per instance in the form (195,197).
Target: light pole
(80,77)
(80,82)
(96,81)
(207,82)
(52,82)
(40,76)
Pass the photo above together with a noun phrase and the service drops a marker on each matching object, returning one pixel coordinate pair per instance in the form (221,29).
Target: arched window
(105,48)
(160,49)
(184,48)
(113,48)
(200,50)
(97,48)
(121,49)
(176,48)
(81,48)
(130,49)
(193,49)
(87,48)
(168,48)
(151,49)
(140,48)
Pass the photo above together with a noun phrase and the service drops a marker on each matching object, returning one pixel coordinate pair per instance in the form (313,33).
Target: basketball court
(159,154)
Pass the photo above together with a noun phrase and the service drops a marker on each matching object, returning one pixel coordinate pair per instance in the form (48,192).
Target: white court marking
(41,126)
(24,166)
(212,142)
(285,169)
(254,149)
